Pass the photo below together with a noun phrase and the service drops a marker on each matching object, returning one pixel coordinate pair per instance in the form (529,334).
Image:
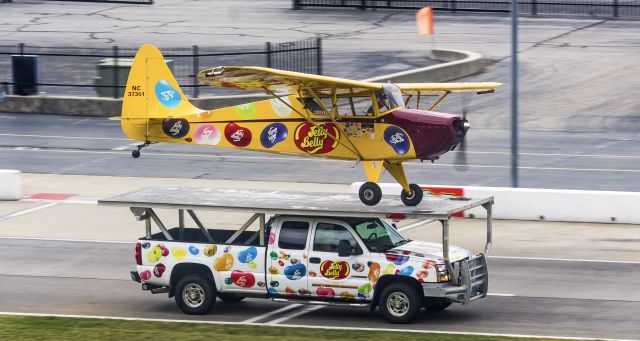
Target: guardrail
(75,69)
(598,8)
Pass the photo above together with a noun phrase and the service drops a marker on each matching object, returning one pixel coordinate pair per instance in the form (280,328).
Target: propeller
(460,162)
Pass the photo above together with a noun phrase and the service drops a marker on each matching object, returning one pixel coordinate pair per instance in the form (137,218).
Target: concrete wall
(544,204)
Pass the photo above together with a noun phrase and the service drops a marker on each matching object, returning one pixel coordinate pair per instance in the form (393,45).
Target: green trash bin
(108,70)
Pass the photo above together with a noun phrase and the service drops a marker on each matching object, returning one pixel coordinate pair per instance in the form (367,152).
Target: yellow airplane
(308,115)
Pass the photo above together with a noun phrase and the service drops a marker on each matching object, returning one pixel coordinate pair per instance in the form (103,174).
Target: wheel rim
(411,195)
(398,304)
(368,194)
(193,295)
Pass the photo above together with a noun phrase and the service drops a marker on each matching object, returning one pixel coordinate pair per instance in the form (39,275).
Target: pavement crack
(565,34)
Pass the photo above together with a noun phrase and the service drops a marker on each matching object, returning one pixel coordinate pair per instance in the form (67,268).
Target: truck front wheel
(195,295)
(399,303)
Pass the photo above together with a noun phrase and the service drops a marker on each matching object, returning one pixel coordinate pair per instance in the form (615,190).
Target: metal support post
(319,55)
(514,93)
(116,81)
(445,248)
(262,229)
(196,65)
(268,52)
(487,246)
(181,223)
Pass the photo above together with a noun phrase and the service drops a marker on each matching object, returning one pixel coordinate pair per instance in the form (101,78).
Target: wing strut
(440,100)
(310,120)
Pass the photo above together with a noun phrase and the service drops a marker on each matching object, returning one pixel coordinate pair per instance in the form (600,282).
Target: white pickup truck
(336,252)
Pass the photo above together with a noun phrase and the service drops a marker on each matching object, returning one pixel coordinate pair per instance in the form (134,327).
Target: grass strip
(67,328)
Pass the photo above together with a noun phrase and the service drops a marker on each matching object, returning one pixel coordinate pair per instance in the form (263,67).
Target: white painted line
(271,313)
(309,326)
(69,240)
(66,201)
(27,211)
(416,224)
(501,295)
(567,259)
(296,314)
(126,146)
(67,137)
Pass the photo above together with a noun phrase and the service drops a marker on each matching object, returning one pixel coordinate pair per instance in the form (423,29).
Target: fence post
(268,52)
(116,81)
(196,66)
(615,8)
(296,4)
(319,55)
(453,6)
(534,7)
(21,49)
(363,5)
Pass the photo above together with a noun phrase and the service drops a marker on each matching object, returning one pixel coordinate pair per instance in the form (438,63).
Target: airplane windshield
(394,95)
(376,234)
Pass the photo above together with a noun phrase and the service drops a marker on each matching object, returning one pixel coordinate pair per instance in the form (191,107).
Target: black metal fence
(74,71)
(598,8)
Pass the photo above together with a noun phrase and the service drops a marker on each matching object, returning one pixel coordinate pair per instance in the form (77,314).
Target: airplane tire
(415,198)
(135,154)
(370,193)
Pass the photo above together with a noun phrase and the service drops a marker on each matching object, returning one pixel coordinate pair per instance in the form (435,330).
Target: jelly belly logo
(397,139)
(175,127)
(237,135)
(167,95)
(317,139)
(334,270)
(272,134)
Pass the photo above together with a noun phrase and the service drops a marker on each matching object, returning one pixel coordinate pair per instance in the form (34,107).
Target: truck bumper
(135,276)
(470,282)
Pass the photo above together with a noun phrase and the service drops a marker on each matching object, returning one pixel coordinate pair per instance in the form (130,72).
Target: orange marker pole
(424,22)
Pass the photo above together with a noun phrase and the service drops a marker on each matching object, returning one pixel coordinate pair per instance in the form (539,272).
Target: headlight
(443,274)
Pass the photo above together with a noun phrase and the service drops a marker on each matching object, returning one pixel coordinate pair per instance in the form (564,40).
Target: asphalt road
(552,298)
(97,146)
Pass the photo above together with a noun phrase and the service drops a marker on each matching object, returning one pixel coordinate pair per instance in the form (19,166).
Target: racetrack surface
(536,297)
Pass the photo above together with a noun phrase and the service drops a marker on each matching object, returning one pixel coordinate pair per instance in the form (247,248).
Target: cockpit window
(393,95)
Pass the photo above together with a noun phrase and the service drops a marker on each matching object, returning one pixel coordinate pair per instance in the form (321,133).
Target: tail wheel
(195,295)
(370,193)
(400,303)
(413,198)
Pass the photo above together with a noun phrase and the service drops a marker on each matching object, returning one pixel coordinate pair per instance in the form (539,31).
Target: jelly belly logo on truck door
(317,139)
(334,270)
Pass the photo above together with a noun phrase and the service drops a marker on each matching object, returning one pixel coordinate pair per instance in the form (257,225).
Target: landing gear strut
(136,153)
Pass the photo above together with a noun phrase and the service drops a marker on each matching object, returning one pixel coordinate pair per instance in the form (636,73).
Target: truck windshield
(376,234)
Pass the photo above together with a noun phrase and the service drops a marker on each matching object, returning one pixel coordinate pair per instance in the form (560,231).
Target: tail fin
(151,93)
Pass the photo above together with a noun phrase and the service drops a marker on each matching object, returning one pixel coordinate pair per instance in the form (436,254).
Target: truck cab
(358,260)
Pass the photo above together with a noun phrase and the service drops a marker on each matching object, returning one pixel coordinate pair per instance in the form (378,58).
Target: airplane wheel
(135,154)
(415,197)
(370,193)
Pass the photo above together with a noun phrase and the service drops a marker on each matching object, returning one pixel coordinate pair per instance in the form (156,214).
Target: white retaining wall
(10,184)
(546,204)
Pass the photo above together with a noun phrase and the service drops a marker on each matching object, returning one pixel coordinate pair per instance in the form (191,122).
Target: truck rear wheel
(230,298)
(399,303)
(436,303)
(195,295)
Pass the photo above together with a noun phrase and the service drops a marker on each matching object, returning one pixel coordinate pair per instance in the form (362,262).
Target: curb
(541,204)
(10,184)
(457,64)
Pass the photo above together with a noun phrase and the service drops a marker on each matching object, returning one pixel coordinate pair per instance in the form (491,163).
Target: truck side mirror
(344,248)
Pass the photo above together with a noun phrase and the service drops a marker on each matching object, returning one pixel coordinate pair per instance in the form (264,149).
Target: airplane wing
(436,89)
(280,81)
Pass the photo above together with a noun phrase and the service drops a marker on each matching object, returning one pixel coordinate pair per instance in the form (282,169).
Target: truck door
(331,276)
(287,265)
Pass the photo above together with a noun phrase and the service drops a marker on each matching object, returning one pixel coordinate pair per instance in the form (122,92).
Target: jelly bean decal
(303,291)
(428,264)
(290,291)
(176,128)
(272,291)
(167,95)
(146,245)
(295,272)
(357,267)
(159,269)
(364,289)
(145,275)
(281,109)
(154,254)
(210,250)
(247,255)
(345,295)
(374,272)
(252,265)
(317,139)
(165,251)
(281,263)
(272,239)
(207,134)
(272,134)
(261,284)
(246,111)
(397,139)
(283,255)
(223,263)
(179,253)
(273,270)
(313,274)
(389,269)
(194,250)
(273,255)
(274,283)
(294,261)
(396,259)
(407,271)
(237,135)
(325,292)
(243,279)
(227,249)
(335,270)
(422,275)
